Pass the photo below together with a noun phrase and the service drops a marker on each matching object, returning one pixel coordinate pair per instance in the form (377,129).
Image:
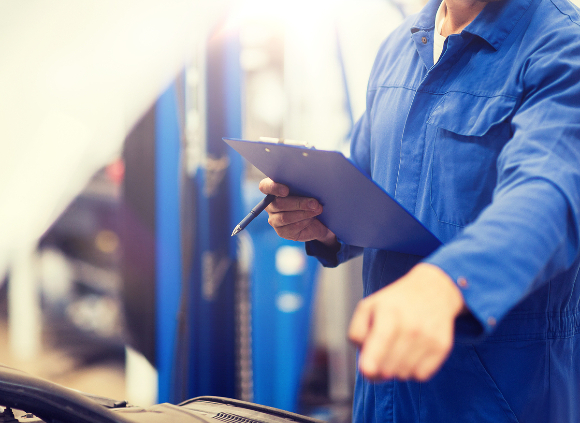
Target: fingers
(390,353)
(304,230)
(371,337)
(375,360)
(268,186)
(427,368)
(376,332)
(412,357)
(294,203)
(361,322)
(283,202)
(293,217)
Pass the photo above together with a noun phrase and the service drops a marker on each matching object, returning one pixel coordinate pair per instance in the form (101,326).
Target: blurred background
(118,275)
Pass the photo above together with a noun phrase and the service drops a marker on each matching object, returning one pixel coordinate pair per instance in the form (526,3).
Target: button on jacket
(484,149)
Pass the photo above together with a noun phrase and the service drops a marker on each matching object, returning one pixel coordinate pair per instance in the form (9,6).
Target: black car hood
(54,403)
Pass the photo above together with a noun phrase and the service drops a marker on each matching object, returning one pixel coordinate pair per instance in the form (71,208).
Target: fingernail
(284,191)
(312,204)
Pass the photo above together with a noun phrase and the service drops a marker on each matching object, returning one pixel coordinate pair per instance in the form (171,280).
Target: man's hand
(294,218)
(405,330)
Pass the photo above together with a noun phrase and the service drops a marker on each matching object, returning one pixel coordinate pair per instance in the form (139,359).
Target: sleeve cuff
(481,319)
(329,257)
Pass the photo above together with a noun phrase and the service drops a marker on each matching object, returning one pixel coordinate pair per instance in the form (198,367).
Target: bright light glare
(75,76)
(281,11)
(284,9)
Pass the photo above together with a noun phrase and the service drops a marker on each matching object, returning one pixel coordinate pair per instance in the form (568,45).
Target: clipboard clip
(286,142)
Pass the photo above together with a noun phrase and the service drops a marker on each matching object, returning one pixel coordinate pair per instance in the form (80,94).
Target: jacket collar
(493,24)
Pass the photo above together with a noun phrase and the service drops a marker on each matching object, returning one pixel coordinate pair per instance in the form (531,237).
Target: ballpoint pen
(254,213)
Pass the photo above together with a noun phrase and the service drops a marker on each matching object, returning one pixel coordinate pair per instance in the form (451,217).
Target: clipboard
(356,209)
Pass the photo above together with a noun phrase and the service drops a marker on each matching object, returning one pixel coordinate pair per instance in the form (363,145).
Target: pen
(254,213)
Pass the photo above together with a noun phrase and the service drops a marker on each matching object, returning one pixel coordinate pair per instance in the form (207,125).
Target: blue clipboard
(356,209)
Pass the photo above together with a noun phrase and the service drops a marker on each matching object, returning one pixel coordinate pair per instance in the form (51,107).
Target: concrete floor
(104,378)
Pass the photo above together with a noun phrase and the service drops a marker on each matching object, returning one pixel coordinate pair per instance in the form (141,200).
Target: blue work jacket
(483,147)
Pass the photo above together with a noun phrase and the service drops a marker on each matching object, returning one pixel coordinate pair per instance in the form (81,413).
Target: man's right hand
(294,218)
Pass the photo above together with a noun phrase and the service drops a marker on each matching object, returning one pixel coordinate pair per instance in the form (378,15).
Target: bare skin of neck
(460,13)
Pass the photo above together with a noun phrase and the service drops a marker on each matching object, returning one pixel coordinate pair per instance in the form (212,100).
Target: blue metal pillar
(212,366)
(167,219)
(283,286)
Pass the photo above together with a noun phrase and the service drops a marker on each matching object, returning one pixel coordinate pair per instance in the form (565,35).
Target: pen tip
(236,230)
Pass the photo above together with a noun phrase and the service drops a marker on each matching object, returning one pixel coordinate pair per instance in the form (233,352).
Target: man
(473,125)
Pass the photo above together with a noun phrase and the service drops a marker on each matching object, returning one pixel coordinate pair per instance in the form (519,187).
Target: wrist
(330,240)
(447,288)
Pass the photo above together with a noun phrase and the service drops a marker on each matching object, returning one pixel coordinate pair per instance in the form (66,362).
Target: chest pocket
(469,133)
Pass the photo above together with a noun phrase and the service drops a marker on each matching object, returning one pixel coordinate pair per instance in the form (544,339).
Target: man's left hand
(405,330)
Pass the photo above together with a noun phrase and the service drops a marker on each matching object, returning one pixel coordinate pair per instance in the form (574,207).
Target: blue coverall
(484,149)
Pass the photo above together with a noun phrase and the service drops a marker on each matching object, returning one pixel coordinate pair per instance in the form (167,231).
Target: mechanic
(473,125)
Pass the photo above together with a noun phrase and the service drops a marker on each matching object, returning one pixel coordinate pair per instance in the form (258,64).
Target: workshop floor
(105,377)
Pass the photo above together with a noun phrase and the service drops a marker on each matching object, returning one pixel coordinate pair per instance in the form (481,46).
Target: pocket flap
(470,115)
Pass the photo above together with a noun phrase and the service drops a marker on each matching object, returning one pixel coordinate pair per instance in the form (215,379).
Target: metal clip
(286,142)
